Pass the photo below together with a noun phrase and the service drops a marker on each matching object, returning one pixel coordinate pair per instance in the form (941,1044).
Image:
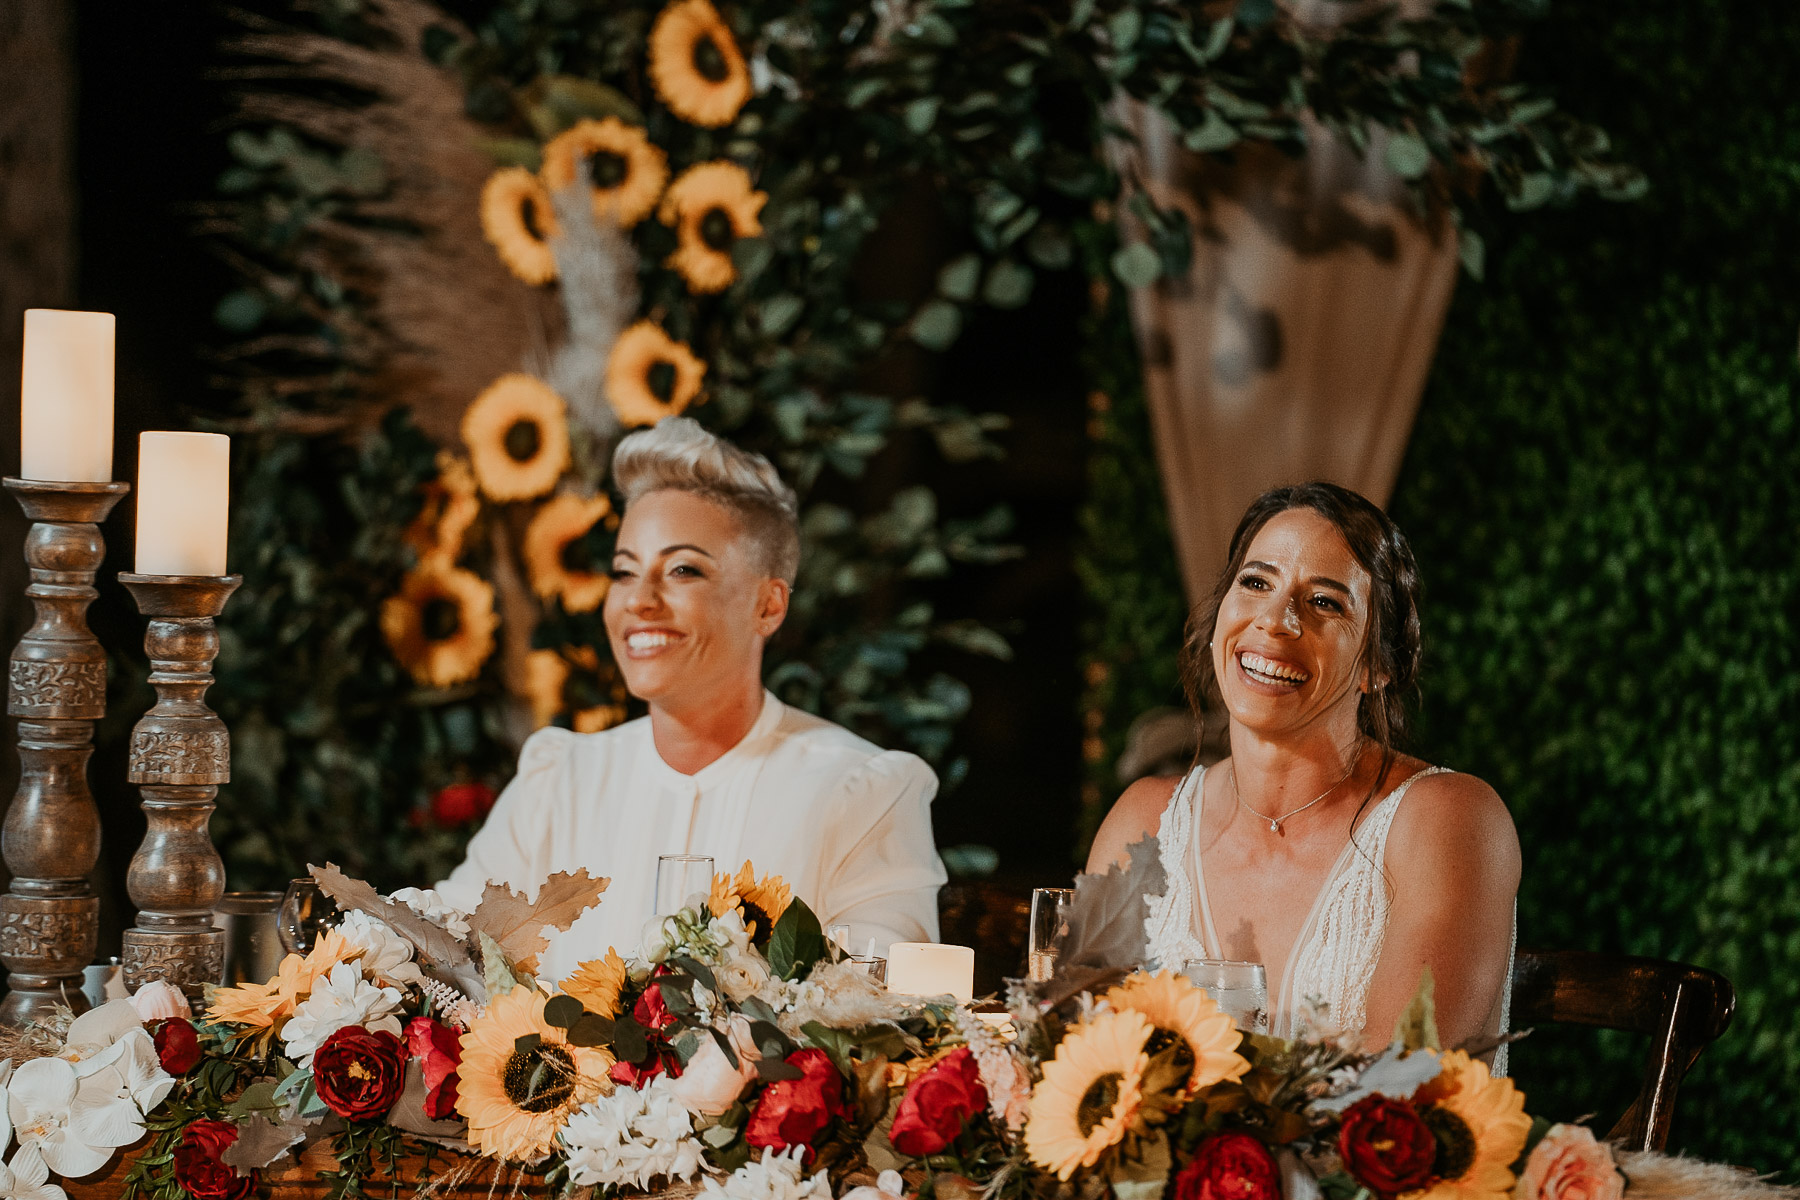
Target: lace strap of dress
(1168,922)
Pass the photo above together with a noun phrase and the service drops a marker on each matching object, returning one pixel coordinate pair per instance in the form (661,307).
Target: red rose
(197,1165)
(438,1049)
(792,1112)
(1229,1166)
(177,1045)
(938,1104)
(1385,1146)
(359,1074)
(461,803)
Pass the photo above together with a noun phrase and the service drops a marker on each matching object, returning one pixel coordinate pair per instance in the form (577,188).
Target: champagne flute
(1049,925)
(680,877)
(305,909)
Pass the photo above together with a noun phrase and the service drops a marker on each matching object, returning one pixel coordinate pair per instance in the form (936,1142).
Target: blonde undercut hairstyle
(676,454)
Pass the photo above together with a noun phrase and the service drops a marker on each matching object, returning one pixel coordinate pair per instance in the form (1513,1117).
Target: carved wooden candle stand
(49,920)
(180,753)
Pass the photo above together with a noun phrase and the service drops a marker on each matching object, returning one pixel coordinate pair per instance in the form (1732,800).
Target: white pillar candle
(66,397)
(183,494)
(931,969)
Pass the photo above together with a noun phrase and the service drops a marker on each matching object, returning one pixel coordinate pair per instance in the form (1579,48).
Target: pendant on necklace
(1274,826)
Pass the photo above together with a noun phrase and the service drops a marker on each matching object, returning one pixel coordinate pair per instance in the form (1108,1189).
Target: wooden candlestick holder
(180,754)
(49,919)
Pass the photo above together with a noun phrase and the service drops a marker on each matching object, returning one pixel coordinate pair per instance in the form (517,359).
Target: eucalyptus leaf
(779,313)
(563,1011)
(1008,285)
(1408,155)
(1137,265)
(959,277)
(920,115)
(937,324)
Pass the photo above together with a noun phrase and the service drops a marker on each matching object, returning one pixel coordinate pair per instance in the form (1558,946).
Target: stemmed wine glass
(305,909)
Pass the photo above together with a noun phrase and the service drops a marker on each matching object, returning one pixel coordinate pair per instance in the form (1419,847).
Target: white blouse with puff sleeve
(845,823)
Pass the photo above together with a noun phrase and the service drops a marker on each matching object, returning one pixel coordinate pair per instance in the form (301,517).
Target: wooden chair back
(1681,1009)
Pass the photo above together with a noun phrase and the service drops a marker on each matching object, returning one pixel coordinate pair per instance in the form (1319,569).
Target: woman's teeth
(650,641)
(1268,671)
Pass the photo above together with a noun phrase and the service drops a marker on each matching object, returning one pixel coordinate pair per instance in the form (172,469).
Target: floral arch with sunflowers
(480,245)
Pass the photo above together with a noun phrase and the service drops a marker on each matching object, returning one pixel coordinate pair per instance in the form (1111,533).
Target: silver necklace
(1275,822)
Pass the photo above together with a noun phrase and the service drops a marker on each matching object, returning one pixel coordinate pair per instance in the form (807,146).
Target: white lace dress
(1333,958)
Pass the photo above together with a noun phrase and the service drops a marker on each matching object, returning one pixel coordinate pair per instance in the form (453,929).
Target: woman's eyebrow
(682,546)
(1326,581)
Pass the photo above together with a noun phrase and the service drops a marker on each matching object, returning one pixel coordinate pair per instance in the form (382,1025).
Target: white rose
(709,1084)
(385,954)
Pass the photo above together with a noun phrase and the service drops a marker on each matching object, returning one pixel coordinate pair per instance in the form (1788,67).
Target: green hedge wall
(1602,491)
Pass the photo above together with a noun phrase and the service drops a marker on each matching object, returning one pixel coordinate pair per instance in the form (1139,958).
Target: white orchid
(386,956)
(130,1071)
(341,999)
(27,1177)
(75,1134)
(160,1000)
(779,1176)
(98,1028)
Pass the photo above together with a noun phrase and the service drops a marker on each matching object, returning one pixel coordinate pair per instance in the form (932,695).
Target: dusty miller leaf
(261,1141)
(441,954)
(1106,919)
(496,973)
(517,924)
(1396,1075)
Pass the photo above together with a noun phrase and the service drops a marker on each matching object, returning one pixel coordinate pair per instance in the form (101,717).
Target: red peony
(1229,1166)
(197,1165)
(359,1074)
(938,1104)
(1385,1146)
(792,1112)
(177,1045)
(438,1049)
(461,803)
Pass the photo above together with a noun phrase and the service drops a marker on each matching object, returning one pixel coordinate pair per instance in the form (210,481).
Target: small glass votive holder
(839,936)
(872,965)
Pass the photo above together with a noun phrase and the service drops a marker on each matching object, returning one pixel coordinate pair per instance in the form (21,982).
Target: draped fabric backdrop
(1298,343)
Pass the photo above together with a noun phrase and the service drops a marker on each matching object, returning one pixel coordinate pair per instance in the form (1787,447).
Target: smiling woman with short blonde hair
(702,571)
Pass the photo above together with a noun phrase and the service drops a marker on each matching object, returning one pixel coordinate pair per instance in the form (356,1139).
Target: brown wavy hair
(1392,648)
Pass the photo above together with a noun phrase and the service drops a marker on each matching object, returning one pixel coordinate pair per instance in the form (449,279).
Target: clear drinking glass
(873,965)
(305,909)
(1240,989)
(679,877)
(1049,925)
(839,936)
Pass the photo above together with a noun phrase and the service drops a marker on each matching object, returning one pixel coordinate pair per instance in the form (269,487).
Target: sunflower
(761,901)
(696,65)
(560,554)
(515,1099)
(451,506)
(517,432)
(1184,1016)
(624,169)
(545,673)
(1480,1126)
(711,206)
(597,983)
(651,375)
(517,218)
(598,718)
(1089,1096)
(441,624)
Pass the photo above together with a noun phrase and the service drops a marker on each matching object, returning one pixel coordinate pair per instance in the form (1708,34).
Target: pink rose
(1569,1164)
(160,1001)
(710,1084)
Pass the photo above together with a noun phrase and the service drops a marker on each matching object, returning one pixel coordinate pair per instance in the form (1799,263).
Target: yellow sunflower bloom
(451,506)
(761,901)
(441,624)
(1184,1014)
(696,65)
(598,718)
(517,218)
(556,553)
(651,375)
(517,432)
(1480,1126)
(545,673)
(515,1100)
(597,984)
(1089,1095)
(623,168)
(710,207)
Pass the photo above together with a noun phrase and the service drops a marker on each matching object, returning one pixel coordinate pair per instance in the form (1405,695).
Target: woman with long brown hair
(1319,848)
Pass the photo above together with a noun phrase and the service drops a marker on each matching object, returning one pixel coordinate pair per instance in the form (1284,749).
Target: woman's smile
(1269,674)
(648,642)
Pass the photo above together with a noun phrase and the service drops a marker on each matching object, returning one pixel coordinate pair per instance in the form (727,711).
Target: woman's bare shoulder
(1135,813)
(1447,816)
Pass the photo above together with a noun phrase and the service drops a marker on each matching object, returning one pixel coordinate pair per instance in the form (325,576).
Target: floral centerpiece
(738,1053)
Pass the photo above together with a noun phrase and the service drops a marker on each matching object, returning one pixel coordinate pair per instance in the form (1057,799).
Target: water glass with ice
(1240,989)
